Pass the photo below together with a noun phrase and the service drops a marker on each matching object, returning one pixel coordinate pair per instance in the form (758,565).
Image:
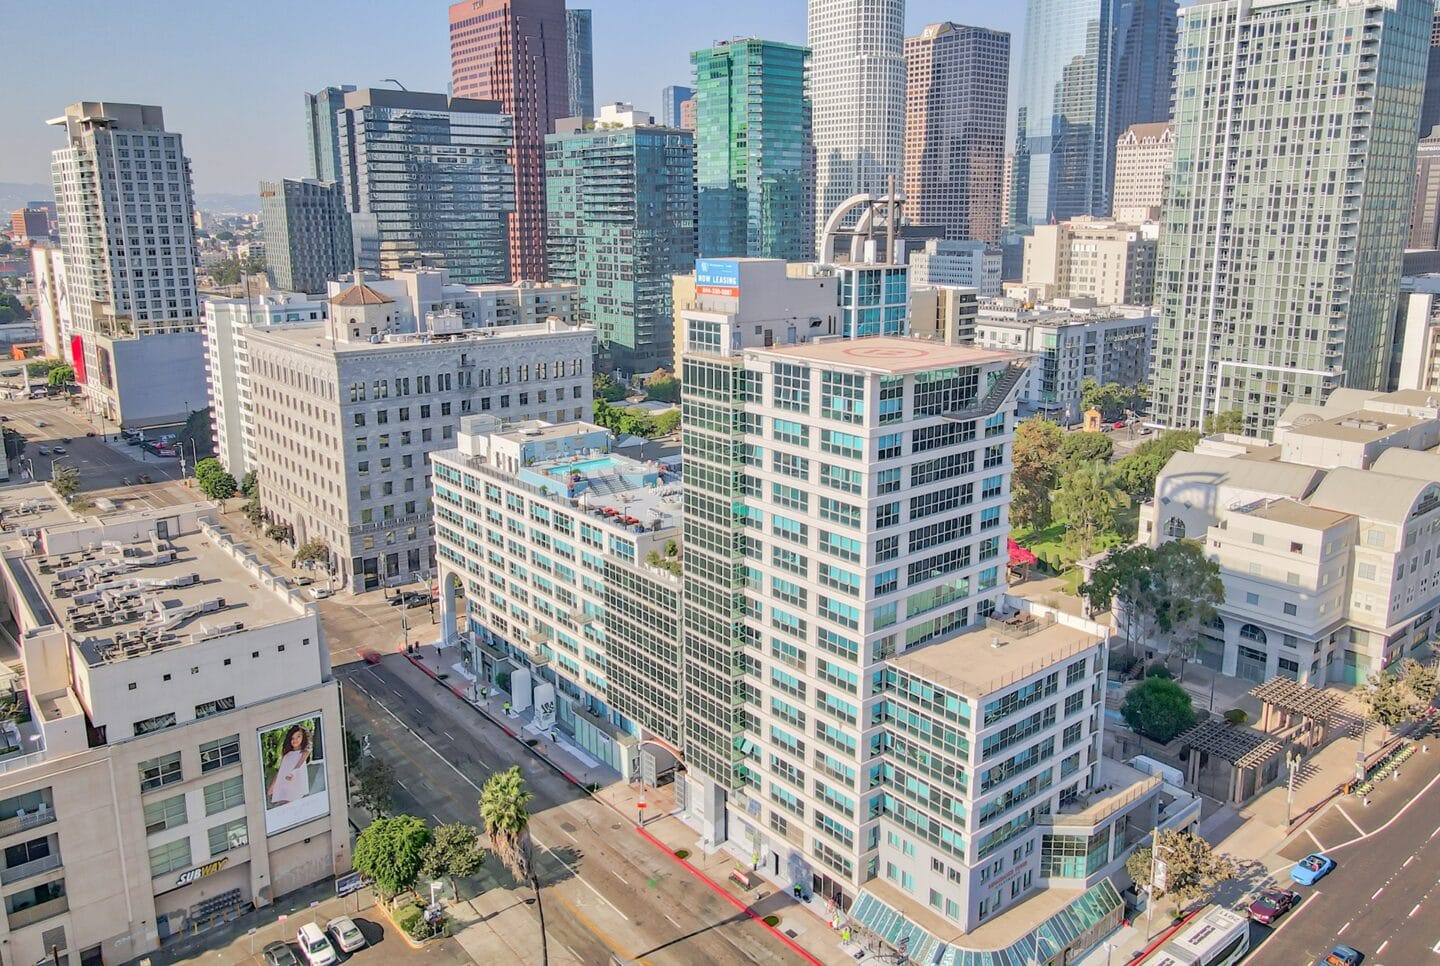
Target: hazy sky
(230,75)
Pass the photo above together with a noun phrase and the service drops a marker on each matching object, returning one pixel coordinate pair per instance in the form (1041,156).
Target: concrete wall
(155,377)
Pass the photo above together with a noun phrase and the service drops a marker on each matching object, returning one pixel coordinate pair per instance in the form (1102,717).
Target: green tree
(1188,591)
(1192,868)
(1158,708)
(1086,502)
(250,485)
(663,388)
(454,853)
(66,480)
(40,368)
(1227,422)
(506,820)
(374,783)
(1136,473)
(1112,399)
(313,552)
(1035,454)
(1124,580)
(389,851)
(1387,702)
(196,437)
(11,310)
(1421,680)
(608,389)
(60,377)
(213,481)
(1080,448)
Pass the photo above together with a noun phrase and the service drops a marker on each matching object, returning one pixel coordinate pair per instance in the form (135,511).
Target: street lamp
(1155,864)
(434,888)
(1292,762)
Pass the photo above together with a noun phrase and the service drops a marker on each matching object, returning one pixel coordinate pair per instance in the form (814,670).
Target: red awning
(1019,556)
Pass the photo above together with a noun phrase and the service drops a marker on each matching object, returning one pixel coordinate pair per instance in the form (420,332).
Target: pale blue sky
(230,75)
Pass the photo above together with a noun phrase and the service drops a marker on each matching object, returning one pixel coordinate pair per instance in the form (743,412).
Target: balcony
(30,915)
(23,821)
(26,869)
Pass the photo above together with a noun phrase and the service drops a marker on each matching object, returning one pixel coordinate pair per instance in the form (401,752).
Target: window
(224,794)
(163,814)
(157,723)
(158,772)
(231,835)
(169,857)
(219,753)
(792,387)
(789,431)
(215,707)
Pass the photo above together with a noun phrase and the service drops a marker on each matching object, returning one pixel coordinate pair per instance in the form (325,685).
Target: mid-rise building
(52,299)
(946,313)
(347,411)
(428,180)
(1069,343)
(973,264)
(122,186)
(1143,156)
(670,100)
(516,53)
(753,152)
(1325,537)
(955,101)
(1252,318)
(426,300)
(322,133)
(857,93)
(1109,262)
(580,59)
(621,222)
(1416,362)
(687,114)
(307,233)
(174,754)
(1425,208)
(28,225)
(227,365)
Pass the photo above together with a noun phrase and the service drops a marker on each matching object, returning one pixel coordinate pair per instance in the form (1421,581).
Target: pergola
(1283,700)
(1249,753)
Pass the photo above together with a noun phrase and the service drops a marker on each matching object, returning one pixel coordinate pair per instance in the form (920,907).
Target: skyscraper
(428,182)
(670,100)
(1425,209)
(580,58)
(621,212)
(1144,62)
(752,149)
(956,80)
(516,52)
(857,92)
(126,207)
(307,233)
(1430,110)
(1280,256)
(322,135)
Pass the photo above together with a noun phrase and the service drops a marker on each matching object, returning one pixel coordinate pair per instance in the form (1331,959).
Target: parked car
(67,440)
(59,451)
(1341,956)
(44,451)
(303,581)
(1269,906)
(279,954)
(1312,869)
(314,946)
(345,934)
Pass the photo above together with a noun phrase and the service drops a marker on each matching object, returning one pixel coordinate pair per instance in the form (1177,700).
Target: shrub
(772,921)
(1158,670)
(682,853)
(1236,716)
(1121,663)
(1158,708)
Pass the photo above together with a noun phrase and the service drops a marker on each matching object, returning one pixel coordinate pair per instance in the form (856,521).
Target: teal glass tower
(753,150)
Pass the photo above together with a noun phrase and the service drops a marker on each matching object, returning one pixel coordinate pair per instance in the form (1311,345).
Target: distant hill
(13,195)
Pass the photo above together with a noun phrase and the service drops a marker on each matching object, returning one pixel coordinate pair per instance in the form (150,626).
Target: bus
(1214,937)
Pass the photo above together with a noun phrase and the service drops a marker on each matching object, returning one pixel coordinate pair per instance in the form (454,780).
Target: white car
(315,947)
(320,593)
(345,934)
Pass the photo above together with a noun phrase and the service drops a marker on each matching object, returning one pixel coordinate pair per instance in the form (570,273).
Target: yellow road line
(603,936)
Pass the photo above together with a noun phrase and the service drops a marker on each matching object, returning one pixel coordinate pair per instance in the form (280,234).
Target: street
(606,890)
(102,465)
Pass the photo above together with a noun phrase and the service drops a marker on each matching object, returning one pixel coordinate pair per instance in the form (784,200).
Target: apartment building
(1416,363)
(1327,537)
(971,263)
(173,751)
(423,293)
(347,411)
(307,233)
(1112,263)
(1143,156)
(944,312)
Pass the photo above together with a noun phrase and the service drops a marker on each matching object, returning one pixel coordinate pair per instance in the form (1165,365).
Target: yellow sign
(210,868)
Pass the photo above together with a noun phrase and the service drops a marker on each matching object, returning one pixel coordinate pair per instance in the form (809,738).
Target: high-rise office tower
(307,233)
(126,207)
(1280,256)
(955,90)
(1425,209)
(580,56)
(1430,109)
(516,52)
(752,150)
(857,93)
(621,221)
(1144,62)
(322,135)
(670,100)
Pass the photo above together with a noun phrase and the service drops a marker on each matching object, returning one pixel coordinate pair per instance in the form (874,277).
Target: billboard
(292,766)
(717,276)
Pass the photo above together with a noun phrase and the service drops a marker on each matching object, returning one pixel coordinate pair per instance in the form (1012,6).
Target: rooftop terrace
(891,355)
(985,659)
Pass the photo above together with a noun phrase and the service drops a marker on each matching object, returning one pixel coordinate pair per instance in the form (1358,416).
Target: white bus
(1215,937)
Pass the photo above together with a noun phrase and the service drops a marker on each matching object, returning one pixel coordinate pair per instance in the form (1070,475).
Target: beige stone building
(1143,155)
(146,789)
(945,313)
(1110,262)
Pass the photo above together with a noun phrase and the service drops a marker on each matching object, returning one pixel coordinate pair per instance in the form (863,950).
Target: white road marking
(1349,819)
(448,735)
(1377,893)
(1382,947)
(672,919)
(1435,948)
(1436,832)
(1408,861)
(617,875)
(1415,910)
(1342,929)
(1317,842)
(401,784)
(582,880)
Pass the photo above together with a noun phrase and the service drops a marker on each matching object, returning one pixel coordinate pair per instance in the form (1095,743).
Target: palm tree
(507,822)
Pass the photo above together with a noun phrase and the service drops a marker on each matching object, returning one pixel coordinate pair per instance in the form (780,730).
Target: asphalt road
(606,891)
(1383,897)
(102,465)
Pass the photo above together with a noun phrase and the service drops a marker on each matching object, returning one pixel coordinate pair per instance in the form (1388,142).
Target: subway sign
(194,875)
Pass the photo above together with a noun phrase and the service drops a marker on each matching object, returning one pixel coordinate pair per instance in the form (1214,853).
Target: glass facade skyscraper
(579,52)
(753,150)
(307,233)
(670,100)
(321,133)
(1286,215)
(428,180)
(1144,63)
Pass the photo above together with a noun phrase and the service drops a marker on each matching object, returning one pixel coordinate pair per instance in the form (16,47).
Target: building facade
(52,299)
(122,186)
(580,57)
(28,225)
(621,222)
(307,233)
(753,150)
(670,100)
(322,133)
(347,412)
(857,93)
(413,202)
(955,101)
(1252,319)
(1145,38)
(164,675)
(968,263)
(1430,107)
(1425,208)
(944,312)
(1143,156)
(1107,262)
(516,53)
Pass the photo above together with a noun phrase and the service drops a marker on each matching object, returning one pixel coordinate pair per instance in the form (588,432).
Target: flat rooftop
(28,508)
(984,659)
(119,601)
(1359,427)
(891,355)
(1295,514)
(316,335)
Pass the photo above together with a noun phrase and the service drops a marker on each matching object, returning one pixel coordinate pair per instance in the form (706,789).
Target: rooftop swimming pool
(587,466)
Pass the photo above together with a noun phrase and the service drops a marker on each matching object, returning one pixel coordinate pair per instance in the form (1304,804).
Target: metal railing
(22,823)
(21,918)
(1096,809)
(26,869)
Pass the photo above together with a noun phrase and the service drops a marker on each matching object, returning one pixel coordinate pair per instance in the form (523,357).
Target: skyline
(232,151)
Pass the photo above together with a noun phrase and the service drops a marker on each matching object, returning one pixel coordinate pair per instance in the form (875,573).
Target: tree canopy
(1136,473)
(1112,399)
(389,851)
(1081,448)
(1124,580)
(635,422)
(60,376)
(663,388)
(608,389)
(1187,591)
(1086,501)
(213,481)
(454,853)
(1192,869)
(11,309)
(1035,458)
(1227,422)
(1158,708)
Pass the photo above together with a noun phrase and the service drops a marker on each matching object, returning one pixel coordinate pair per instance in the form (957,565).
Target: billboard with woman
(292,759)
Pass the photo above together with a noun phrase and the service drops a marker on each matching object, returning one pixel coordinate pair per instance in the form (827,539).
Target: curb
(733,901)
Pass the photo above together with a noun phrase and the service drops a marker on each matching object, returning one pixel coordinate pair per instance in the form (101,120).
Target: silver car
(345,934)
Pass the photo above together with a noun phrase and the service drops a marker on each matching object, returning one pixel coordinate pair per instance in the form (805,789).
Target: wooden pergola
(1287,705)
(1250,754)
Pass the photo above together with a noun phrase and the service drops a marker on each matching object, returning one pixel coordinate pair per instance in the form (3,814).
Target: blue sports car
(1312,869)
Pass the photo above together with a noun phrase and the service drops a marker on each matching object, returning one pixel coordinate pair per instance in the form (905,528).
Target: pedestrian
(507,709)
(1367,801)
